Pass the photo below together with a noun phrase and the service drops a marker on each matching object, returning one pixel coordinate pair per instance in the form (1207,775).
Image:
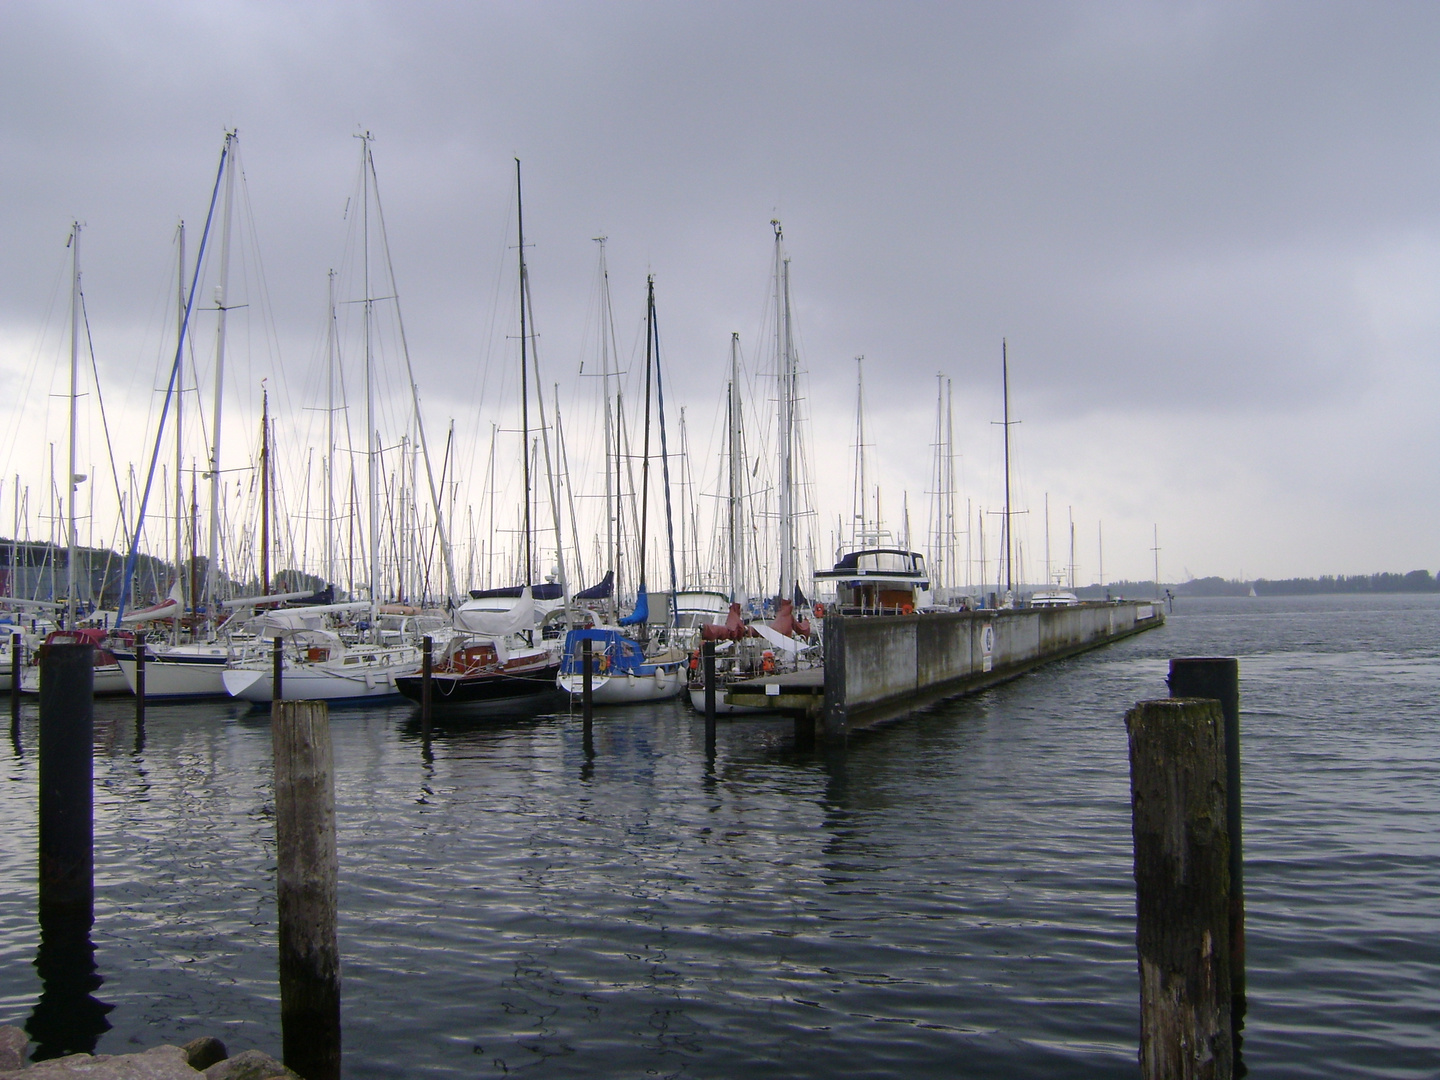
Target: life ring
(695,660)
(818,610)
(907,609)
(604,664)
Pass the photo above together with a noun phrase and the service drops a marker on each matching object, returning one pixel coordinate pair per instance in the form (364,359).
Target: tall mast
(859,498)
(212,571)
(785,355)
(524,384)
(329,463)
(607,329)
(179,427)
(644,537)
(372,460)
(264,491)
(73,479)
(665,462)
(1009,545)
(732,504)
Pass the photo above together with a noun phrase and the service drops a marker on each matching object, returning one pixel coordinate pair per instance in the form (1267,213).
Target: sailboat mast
(524,384)
(372,461)
(607,329)
(212,571)
(179,427)
(644,537)
(785,356)
(859,498)
(732,504)
(74,392)
(329,463)
(264,492)
(1005,390)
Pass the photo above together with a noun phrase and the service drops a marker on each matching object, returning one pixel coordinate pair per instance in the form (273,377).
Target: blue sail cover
(641,613)
(601,591)
(614,653)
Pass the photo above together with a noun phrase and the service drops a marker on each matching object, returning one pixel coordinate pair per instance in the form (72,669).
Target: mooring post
(427,672)
(1218,678)
(277,692)
(17,656)
(587,694)
(305,875)
(707,655)
(1182,879)
(67,771)
(139,678)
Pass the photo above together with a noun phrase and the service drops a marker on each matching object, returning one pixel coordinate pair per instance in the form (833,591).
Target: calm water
(951,896)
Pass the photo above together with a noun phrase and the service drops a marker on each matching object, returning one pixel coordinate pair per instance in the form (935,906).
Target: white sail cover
(289,622)
(779,640)
(475,619)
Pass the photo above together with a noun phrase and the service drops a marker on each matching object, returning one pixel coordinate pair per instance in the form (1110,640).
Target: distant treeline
(1414,581)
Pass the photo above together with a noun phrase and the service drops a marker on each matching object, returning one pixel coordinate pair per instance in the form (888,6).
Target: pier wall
(877,667)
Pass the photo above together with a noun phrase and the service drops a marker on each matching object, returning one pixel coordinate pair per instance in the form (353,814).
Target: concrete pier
(879,667)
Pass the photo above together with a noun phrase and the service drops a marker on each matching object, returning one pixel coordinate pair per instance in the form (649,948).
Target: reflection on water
(950,895)
(68,1018)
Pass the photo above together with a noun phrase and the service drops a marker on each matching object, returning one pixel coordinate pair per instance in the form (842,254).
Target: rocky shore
(205,1057)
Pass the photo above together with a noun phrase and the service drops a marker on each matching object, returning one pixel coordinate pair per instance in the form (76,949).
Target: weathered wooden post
(1182,879)
(707,653)
(277,692)
(139,678)
(1218,678)
(427,672)
(67,771)
(17,651)
(587,685)
(305,884)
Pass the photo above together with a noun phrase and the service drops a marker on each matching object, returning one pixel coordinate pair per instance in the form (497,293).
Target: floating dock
(878,667)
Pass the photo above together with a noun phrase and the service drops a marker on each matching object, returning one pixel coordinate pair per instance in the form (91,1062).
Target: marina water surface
(950,895)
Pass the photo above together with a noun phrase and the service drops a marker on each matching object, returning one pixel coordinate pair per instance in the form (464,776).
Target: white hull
(108,680)
(332,680)
(188,674)
(667,682)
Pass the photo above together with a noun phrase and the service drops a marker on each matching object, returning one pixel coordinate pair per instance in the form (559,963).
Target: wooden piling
(1218,678)
(427,673)
(305,882)
(277,676)
(67,771)
(1182,879)
(587,694)
(139,678)
(17,650)
(707,655)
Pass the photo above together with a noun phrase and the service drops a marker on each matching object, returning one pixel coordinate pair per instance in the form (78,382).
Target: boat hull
(663,682)
(182,675)
(488,690)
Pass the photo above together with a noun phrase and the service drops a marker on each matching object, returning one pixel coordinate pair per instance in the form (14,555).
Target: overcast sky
(1209,232)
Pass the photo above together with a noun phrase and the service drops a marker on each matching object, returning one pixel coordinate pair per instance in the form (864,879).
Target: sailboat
(316,662)
(625,671)
(760,648)
(500,659)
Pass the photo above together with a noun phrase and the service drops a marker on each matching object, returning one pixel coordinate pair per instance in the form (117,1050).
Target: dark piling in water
(17,650)
(707,652)
(307,866)
(427,676)
(1218,678)
(1182,886)
(140,679)
(67,770)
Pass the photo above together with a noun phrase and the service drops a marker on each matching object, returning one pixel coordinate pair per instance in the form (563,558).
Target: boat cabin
(878,581)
